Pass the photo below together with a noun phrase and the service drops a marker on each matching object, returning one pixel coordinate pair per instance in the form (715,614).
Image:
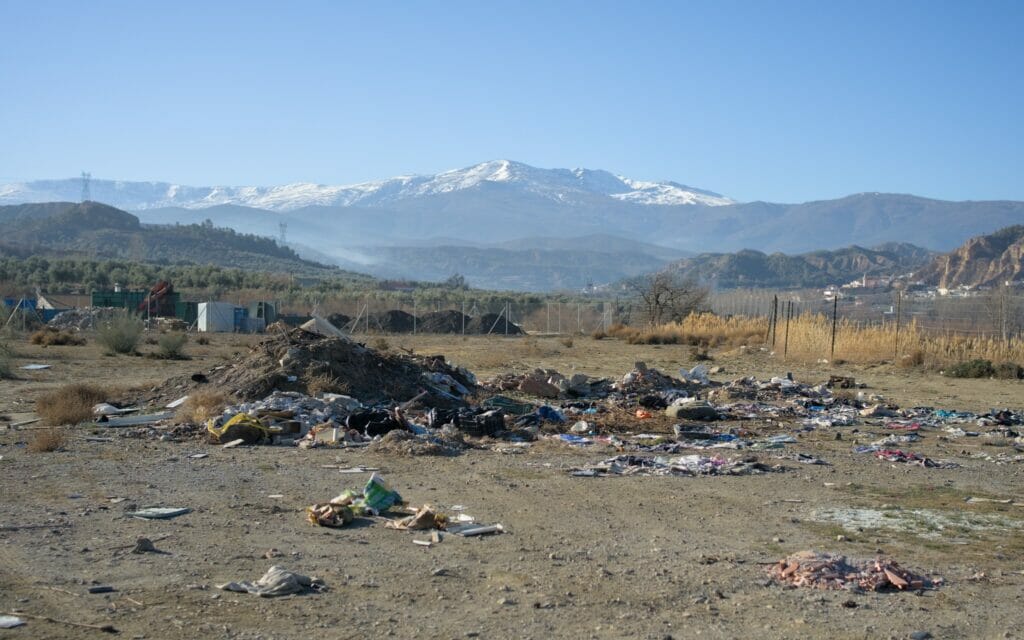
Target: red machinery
(159,302)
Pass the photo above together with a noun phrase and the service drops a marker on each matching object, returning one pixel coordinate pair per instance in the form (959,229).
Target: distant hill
(498,201)
(981,261)
(749,268)
(521,269)
(95,230)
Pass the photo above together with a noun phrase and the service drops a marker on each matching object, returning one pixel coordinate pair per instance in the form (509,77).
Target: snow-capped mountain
(565,186)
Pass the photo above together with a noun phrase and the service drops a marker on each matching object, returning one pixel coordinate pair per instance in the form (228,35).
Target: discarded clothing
(691,465)
(896,455)
(277,581)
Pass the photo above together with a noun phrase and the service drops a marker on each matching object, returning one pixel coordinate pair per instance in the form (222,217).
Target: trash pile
(772,390)
(548,383)
(814,570)
(691,465)
(83,319)
(644,380)
(306,362)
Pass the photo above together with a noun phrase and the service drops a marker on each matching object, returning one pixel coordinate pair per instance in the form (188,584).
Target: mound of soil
(447,321)
(483,324)
(393,321)
(307,363)
(340,320)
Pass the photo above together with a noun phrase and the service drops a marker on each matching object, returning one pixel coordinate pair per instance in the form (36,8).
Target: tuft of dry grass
(69,404)
(47,440)
(325,383)
(48,336)
(201,406)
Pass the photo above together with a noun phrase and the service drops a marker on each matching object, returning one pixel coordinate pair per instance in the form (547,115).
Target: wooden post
(835,311)
(899,310)
(789,316)
(775,318)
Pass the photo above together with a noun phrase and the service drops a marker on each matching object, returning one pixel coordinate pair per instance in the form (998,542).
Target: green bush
(120,334)
(972,369)
(1009,371)
(171,346)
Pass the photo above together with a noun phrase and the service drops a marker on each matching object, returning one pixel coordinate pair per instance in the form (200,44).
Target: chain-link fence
(995,313)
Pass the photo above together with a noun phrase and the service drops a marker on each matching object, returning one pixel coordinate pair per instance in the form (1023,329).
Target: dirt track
(645,557)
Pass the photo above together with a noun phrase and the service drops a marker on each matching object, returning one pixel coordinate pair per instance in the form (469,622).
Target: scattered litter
(830,571)
(159,513)
(376,497)
(467,530)
(426,517)
(692,465)
(896,455)
(198,456)
(145,545)
(133,421)
(233,443)
(101,589)
(10,622)
(277,581)
(106,409)
(177,403)
(36,367)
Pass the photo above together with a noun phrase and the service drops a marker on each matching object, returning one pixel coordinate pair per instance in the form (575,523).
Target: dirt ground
(639,557)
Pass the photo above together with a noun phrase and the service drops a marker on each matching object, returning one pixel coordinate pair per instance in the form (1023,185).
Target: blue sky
(779,101)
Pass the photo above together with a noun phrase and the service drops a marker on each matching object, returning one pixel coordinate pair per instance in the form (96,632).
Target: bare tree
(666,297)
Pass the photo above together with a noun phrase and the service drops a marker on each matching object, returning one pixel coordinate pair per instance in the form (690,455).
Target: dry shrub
(598,334)
(69,404)
(171,346)
(47,440)
(567,342)
(381,344)
(121,333)
(201,406)
(203,340)
(48,337)
(325,383)
(6,355)
(911,360)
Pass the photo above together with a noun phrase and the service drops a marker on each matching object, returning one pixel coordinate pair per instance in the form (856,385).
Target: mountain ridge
(556,184)
(987,260)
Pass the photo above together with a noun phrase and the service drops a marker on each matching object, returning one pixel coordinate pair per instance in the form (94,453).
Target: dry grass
(49,337)
(325,383)
(810,339)
(201,406)
(47,440)
(69,404)
(699,330)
